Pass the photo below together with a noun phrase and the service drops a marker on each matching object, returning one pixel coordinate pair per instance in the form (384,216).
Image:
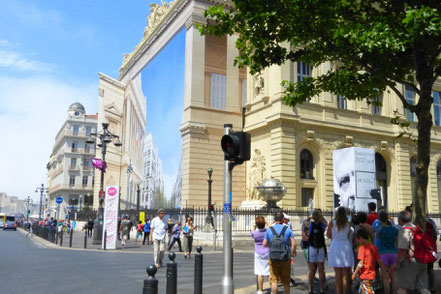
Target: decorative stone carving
(156,13)
(259,84)
(310,135)
(192,127)
(126,57)
(257,170)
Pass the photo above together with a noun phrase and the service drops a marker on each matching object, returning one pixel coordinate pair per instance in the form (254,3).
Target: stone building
(153,181)
(293,145)
(70,171)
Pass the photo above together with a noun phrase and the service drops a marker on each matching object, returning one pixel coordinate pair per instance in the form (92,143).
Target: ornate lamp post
(42,190)
(271,191)
(209,220)
(105,137)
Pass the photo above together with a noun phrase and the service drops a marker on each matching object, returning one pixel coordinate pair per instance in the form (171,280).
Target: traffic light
(29,212)
(211,207)
(237,146)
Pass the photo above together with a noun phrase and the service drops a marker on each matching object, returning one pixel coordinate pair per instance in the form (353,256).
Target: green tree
(160,200)
(379,45)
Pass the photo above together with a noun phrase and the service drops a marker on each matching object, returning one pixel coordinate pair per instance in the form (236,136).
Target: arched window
(438,181)
(306,165)
(381,174)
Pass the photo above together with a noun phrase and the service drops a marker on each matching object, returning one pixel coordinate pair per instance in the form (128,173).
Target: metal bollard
(70,239)
(61,238)
(105,239)
(198,271)
(85,239)
(172,274)
(151,283)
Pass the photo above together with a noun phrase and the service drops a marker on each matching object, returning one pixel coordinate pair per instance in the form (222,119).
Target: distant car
(9,225)
(2,224)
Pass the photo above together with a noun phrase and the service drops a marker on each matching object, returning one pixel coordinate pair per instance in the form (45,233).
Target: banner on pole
(142,216)
(111,216)
(354,177)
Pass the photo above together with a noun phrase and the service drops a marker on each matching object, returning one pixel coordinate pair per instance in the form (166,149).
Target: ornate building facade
(70,171)
(293,145)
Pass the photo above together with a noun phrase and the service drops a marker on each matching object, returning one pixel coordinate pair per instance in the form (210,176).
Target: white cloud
(32,110)
(15,61)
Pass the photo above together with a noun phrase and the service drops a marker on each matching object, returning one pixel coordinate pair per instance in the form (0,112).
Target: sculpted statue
(259,83)
(156,13)
(257,170)
(125,57)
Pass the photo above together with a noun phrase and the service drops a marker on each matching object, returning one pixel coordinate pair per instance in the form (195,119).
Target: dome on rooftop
(77,106)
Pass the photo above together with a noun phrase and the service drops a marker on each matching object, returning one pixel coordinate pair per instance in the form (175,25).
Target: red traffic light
(237,146)
(211,207)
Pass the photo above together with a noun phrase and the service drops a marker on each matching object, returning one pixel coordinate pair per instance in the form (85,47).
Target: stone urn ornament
(271,190)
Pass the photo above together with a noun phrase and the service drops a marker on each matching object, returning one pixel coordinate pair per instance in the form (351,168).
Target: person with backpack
(386,236)
(341,256)
(413,256)
(316,250)
(146,229)
(280,240)
(138,232)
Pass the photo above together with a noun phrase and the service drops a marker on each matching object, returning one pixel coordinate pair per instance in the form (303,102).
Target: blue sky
(50,56)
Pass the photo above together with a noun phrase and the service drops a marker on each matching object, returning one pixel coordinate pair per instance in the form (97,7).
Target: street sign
(59,200)
(102,194)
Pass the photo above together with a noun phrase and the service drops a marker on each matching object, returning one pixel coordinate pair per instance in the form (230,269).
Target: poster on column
(111,216)
(354,177)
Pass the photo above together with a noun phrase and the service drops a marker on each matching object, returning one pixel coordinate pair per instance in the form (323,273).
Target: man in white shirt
(157,237)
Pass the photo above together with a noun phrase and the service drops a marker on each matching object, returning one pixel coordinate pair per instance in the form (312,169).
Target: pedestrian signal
(237,147)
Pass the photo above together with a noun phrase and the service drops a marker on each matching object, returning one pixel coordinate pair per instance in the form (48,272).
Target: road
(29,266)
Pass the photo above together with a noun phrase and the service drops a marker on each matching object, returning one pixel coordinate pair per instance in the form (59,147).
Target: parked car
(10,225)
(2,224)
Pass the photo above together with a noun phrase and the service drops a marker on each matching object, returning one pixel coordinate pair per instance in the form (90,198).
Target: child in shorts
(367,255)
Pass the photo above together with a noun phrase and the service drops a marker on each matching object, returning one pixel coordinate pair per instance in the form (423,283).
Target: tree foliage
(373,45)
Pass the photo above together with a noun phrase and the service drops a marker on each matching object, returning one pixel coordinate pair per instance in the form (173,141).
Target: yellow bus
(5,217)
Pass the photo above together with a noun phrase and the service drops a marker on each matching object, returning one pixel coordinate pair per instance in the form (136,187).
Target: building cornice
(111,81)
(192,127)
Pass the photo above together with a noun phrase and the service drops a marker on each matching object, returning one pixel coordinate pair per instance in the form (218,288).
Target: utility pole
(42,190)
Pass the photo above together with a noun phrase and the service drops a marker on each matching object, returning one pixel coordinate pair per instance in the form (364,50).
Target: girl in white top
(340,254)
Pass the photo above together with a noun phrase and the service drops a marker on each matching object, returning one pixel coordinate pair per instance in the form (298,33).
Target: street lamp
(105,137)
(209,220)
(41,189)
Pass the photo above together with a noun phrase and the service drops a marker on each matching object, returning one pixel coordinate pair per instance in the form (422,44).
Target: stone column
(233,100)
(194,65)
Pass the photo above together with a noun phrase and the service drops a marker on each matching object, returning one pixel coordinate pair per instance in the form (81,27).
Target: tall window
(75,130)
(88,131)
(307,193)
(306,165)
(85,181)
(72,181)
(411,99)
(303,71)
(74,146)
(73,162)
(86,162)
(436,108)
(244,92)
(376,110)
(218,97)
(342,102)
(86,148)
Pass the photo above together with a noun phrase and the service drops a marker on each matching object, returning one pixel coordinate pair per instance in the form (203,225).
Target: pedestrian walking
(386,236)
(411,273)
(280,240)
(119,226)
(432,232)
(125,230)
(157,236)
(341,256)
(176,235)
(146,229)
(261,253)
(316,250)
(90,225)
(30,229)
(373,215)
(188,231)
(168,237)
(139,232)
(368,256)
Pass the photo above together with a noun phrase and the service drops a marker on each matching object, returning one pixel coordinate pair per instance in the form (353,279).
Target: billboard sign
(111,216)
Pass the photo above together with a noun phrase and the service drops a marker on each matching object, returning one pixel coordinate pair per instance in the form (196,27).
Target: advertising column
(111,217)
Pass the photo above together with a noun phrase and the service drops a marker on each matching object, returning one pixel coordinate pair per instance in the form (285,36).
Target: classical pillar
(194,65)
(233,101)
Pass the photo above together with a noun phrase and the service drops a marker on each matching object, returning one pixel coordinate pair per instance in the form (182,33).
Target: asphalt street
(27,265)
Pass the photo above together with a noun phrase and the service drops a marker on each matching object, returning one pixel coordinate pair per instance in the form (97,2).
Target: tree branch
(410,85)
(402,98)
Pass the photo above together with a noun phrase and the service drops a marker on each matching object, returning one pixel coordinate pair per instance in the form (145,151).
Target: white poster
(111,217)
(354,177)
